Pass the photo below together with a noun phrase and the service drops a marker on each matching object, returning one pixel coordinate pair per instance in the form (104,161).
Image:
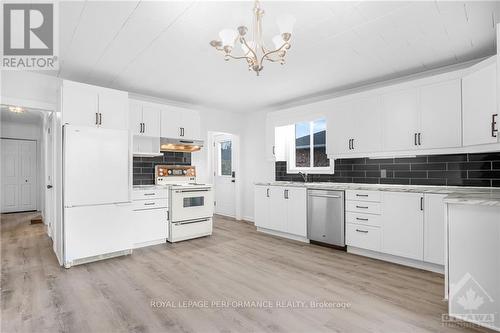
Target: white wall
(30,131)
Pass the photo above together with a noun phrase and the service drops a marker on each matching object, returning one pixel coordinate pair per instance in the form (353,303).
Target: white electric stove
(191,205)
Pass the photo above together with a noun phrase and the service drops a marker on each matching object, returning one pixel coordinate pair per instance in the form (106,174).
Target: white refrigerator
(96,194)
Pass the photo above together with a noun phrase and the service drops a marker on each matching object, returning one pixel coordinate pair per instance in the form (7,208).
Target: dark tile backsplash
(482,169)
(144,167)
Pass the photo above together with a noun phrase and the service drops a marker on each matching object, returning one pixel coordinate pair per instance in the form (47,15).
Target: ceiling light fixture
(254,51)
(16,109)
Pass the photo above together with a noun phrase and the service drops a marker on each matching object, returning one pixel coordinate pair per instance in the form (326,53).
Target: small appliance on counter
(191,205)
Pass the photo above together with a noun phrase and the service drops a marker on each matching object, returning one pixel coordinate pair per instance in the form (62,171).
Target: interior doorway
(225,167)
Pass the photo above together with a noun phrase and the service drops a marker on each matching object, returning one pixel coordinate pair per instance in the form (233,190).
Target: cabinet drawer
(149,204)
(361,218)
(364,237)
(363,195)
(363,207)
(147,194)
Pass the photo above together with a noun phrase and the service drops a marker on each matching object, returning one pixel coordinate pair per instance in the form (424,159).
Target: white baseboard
(149,243)
(249,219)
(283,234)
(397,260)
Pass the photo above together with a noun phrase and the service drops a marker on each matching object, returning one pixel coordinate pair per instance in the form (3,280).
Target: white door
(79,104)
(224,175)
(400,110)
(441,115)
(277,209)
(170,122)
(18,175)
(296,200)
(135,120)
(434,228)
(402,225)
(340,128)
(151,121)
(479,106)
(367,126)
(190,124)
(113,109)
(49,176)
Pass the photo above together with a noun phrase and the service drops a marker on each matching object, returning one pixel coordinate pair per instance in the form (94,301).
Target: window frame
(291,160)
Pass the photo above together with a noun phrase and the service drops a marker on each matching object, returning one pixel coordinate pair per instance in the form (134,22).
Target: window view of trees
(310,151)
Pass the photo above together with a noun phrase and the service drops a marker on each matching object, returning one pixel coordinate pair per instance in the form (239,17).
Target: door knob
(49,186)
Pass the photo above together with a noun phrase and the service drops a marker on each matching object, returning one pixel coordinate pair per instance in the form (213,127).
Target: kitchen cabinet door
(261,206)
(113,109)
(366,124)
(190,124)
(277,209)
(434,227)
(151,120)
(441,115)
(402,224)
(400,120)
(296,211)
(341,128)
(79,104)
(171,119)
(479,101)
(135,120)
(149,225)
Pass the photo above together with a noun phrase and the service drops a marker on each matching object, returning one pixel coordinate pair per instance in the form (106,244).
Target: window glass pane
(225,158)
(319,142)
(302,145)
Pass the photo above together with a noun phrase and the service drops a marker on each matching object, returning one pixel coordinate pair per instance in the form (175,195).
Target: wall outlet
(383,173)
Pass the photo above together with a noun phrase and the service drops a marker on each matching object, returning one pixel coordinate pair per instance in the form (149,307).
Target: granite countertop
(456,194)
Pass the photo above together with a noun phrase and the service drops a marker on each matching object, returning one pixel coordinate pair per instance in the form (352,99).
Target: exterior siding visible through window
(309,151)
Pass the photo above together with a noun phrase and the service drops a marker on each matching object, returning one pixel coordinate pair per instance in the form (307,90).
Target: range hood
(182,145)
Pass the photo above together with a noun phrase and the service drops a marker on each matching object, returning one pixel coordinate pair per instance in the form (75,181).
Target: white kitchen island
(473,265)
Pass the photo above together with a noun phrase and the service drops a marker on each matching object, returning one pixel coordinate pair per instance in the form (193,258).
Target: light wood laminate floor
(235,264)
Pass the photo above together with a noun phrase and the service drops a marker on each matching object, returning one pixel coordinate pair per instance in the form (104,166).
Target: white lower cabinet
(149,217)
(403,225)
(363,236)
(281,209)
(434,228)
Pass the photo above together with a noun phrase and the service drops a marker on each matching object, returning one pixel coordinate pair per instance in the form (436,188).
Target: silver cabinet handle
(363,207)
(267,193)
(143,127)
(362,195)
(349,144)
(352,144)
(97,118)
(100,118)
(361,219)
(415,139)
(149,204)
(494,130)
(362,231)
(421,203)
(149,193)
(419,139)
(285,194)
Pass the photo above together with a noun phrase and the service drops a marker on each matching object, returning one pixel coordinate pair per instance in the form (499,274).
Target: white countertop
(148,187)
(456,194)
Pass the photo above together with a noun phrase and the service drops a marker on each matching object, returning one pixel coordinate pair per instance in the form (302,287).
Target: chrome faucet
(304,176)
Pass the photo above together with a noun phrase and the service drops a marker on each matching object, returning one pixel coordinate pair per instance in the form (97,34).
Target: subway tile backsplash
(481,169)
(144,167)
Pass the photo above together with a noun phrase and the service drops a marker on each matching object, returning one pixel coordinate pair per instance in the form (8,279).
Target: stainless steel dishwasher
(326,217)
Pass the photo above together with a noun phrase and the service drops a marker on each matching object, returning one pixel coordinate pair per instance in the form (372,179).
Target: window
(310,146)
(225,167)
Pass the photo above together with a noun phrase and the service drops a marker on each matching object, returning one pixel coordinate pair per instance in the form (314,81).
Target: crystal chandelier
(254,51)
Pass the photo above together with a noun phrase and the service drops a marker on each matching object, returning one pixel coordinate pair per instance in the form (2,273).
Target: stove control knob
(184,172)
(169,172)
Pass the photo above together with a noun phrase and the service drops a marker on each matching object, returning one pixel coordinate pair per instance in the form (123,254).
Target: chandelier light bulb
(278,41)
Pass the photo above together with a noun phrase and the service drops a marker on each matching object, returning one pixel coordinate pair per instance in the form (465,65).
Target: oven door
(191,203)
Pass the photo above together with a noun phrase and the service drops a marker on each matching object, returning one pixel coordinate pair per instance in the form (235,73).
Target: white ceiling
(29,116)
(161,48)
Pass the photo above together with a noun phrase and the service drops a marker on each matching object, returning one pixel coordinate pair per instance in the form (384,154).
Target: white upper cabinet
(480,115)
(135,122)
(368,125)
(440,115)
(340,128)
(87,105)
(180,123)
(401,122)
(151,120)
